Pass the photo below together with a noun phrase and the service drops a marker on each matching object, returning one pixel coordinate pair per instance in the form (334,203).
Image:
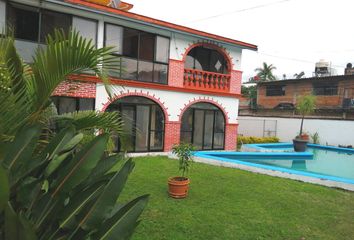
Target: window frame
(122,56)
(150,130)
(194,53)
(191,131)
(282,90)
(325,89)
(56,102)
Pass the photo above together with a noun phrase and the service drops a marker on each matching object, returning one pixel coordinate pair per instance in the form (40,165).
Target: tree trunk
(302,123)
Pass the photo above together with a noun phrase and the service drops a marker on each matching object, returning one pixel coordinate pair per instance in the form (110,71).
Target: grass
(225,203)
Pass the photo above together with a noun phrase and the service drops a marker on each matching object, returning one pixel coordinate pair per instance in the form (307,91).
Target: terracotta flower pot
(305,137)
(178,187)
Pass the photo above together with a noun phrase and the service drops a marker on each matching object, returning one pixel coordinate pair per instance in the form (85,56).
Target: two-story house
(178,84)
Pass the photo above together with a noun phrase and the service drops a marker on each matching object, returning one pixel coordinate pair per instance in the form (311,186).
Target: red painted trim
(201,100)
(213,46)
(162,23)
(132,83)
(137,94)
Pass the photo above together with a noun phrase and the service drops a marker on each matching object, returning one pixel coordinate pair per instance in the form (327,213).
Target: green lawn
(226,203)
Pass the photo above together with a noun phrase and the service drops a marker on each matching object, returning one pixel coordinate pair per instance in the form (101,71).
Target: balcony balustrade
(203,80)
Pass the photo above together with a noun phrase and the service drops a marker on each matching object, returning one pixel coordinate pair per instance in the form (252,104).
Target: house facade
(177,85)
(332,92)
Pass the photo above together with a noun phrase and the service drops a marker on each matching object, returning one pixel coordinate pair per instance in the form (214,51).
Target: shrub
(250,139)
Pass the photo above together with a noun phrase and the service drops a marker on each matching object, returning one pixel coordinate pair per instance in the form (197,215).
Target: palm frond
(64,56)
(87,120)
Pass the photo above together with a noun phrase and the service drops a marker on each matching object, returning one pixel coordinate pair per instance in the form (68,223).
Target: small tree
(305,106)
(184,153)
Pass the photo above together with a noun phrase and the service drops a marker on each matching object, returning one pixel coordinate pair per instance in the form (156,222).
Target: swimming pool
(325,163)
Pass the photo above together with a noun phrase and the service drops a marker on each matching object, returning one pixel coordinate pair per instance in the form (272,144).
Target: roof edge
(163,23)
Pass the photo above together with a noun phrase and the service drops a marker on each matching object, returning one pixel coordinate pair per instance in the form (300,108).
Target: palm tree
(57,189)
(25,90)
(265,73)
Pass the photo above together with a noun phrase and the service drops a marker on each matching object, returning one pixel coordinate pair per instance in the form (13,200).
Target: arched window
(143,124)
(203,125)
(206,59)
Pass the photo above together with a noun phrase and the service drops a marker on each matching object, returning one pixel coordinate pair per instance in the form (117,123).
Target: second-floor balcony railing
(203,80)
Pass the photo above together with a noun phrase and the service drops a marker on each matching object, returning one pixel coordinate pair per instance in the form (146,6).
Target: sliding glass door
(203,125)
(143,125)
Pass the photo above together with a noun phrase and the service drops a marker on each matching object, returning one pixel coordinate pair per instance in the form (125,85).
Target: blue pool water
(323,162)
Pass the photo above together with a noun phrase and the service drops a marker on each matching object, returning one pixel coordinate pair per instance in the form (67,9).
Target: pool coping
(321,179)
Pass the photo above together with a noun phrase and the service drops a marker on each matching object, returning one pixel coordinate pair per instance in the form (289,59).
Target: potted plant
(178,186)
(305,106)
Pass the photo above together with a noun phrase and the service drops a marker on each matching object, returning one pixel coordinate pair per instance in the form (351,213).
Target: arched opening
(203,125)
(144,123)
(208,59)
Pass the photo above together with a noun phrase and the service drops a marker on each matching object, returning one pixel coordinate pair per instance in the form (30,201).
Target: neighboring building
(179,84)
(332,92)
(349,70)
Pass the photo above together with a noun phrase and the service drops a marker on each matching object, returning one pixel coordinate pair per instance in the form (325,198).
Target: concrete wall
(332,132)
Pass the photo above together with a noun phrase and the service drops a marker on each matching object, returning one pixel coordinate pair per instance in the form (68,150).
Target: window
(203,125)
(206,59)
(326,89)
(144,55)
(51,21)
(86,27)
(24,21)
(71,104)
(143,124)
(114,37)
(275,90)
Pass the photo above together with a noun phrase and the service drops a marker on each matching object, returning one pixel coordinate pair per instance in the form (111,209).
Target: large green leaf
(17,227)
(122,224)
(81,165)
(106,201)
(4,189)
(22,148)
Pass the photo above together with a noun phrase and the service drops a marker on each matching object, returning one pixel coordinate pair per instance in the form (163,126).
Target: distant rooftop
(311,79)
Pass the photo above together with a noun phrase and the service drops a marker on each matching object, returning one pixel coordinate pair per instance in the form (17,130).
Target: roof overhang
(105,10)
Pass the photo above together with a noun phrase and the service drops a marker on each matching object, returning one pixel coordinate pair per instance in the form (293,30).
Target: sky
(290,34)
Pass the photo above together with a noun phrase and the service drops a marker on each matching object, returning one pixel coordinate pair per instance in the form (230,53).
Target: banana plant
(65,192)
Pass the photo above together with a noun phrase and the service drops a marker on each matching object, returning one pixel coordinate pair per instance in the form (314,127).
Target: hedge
(249,140)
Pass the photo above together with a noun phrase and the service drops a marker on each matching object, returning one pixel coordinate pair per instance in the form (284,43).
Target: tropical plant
(55,186)
(265,73)
(315,138)
(184,152)
(25,90)
(305,105)
(62,191)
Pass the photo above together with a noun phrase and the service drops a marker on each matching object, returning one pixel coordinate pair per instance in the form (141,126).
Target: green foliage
(59,186)
(315,138)
(63,191)
(305,106)
(184,152)
(265,73)
(249,140)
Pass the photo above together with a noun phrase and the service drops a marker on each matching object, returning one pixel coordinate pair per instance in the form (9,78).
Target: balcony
(203,80)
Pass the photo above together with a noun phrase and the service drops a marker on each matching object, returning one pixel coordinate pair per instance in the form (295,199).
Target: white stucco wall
(173,101)
(2,14)
(332,132)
